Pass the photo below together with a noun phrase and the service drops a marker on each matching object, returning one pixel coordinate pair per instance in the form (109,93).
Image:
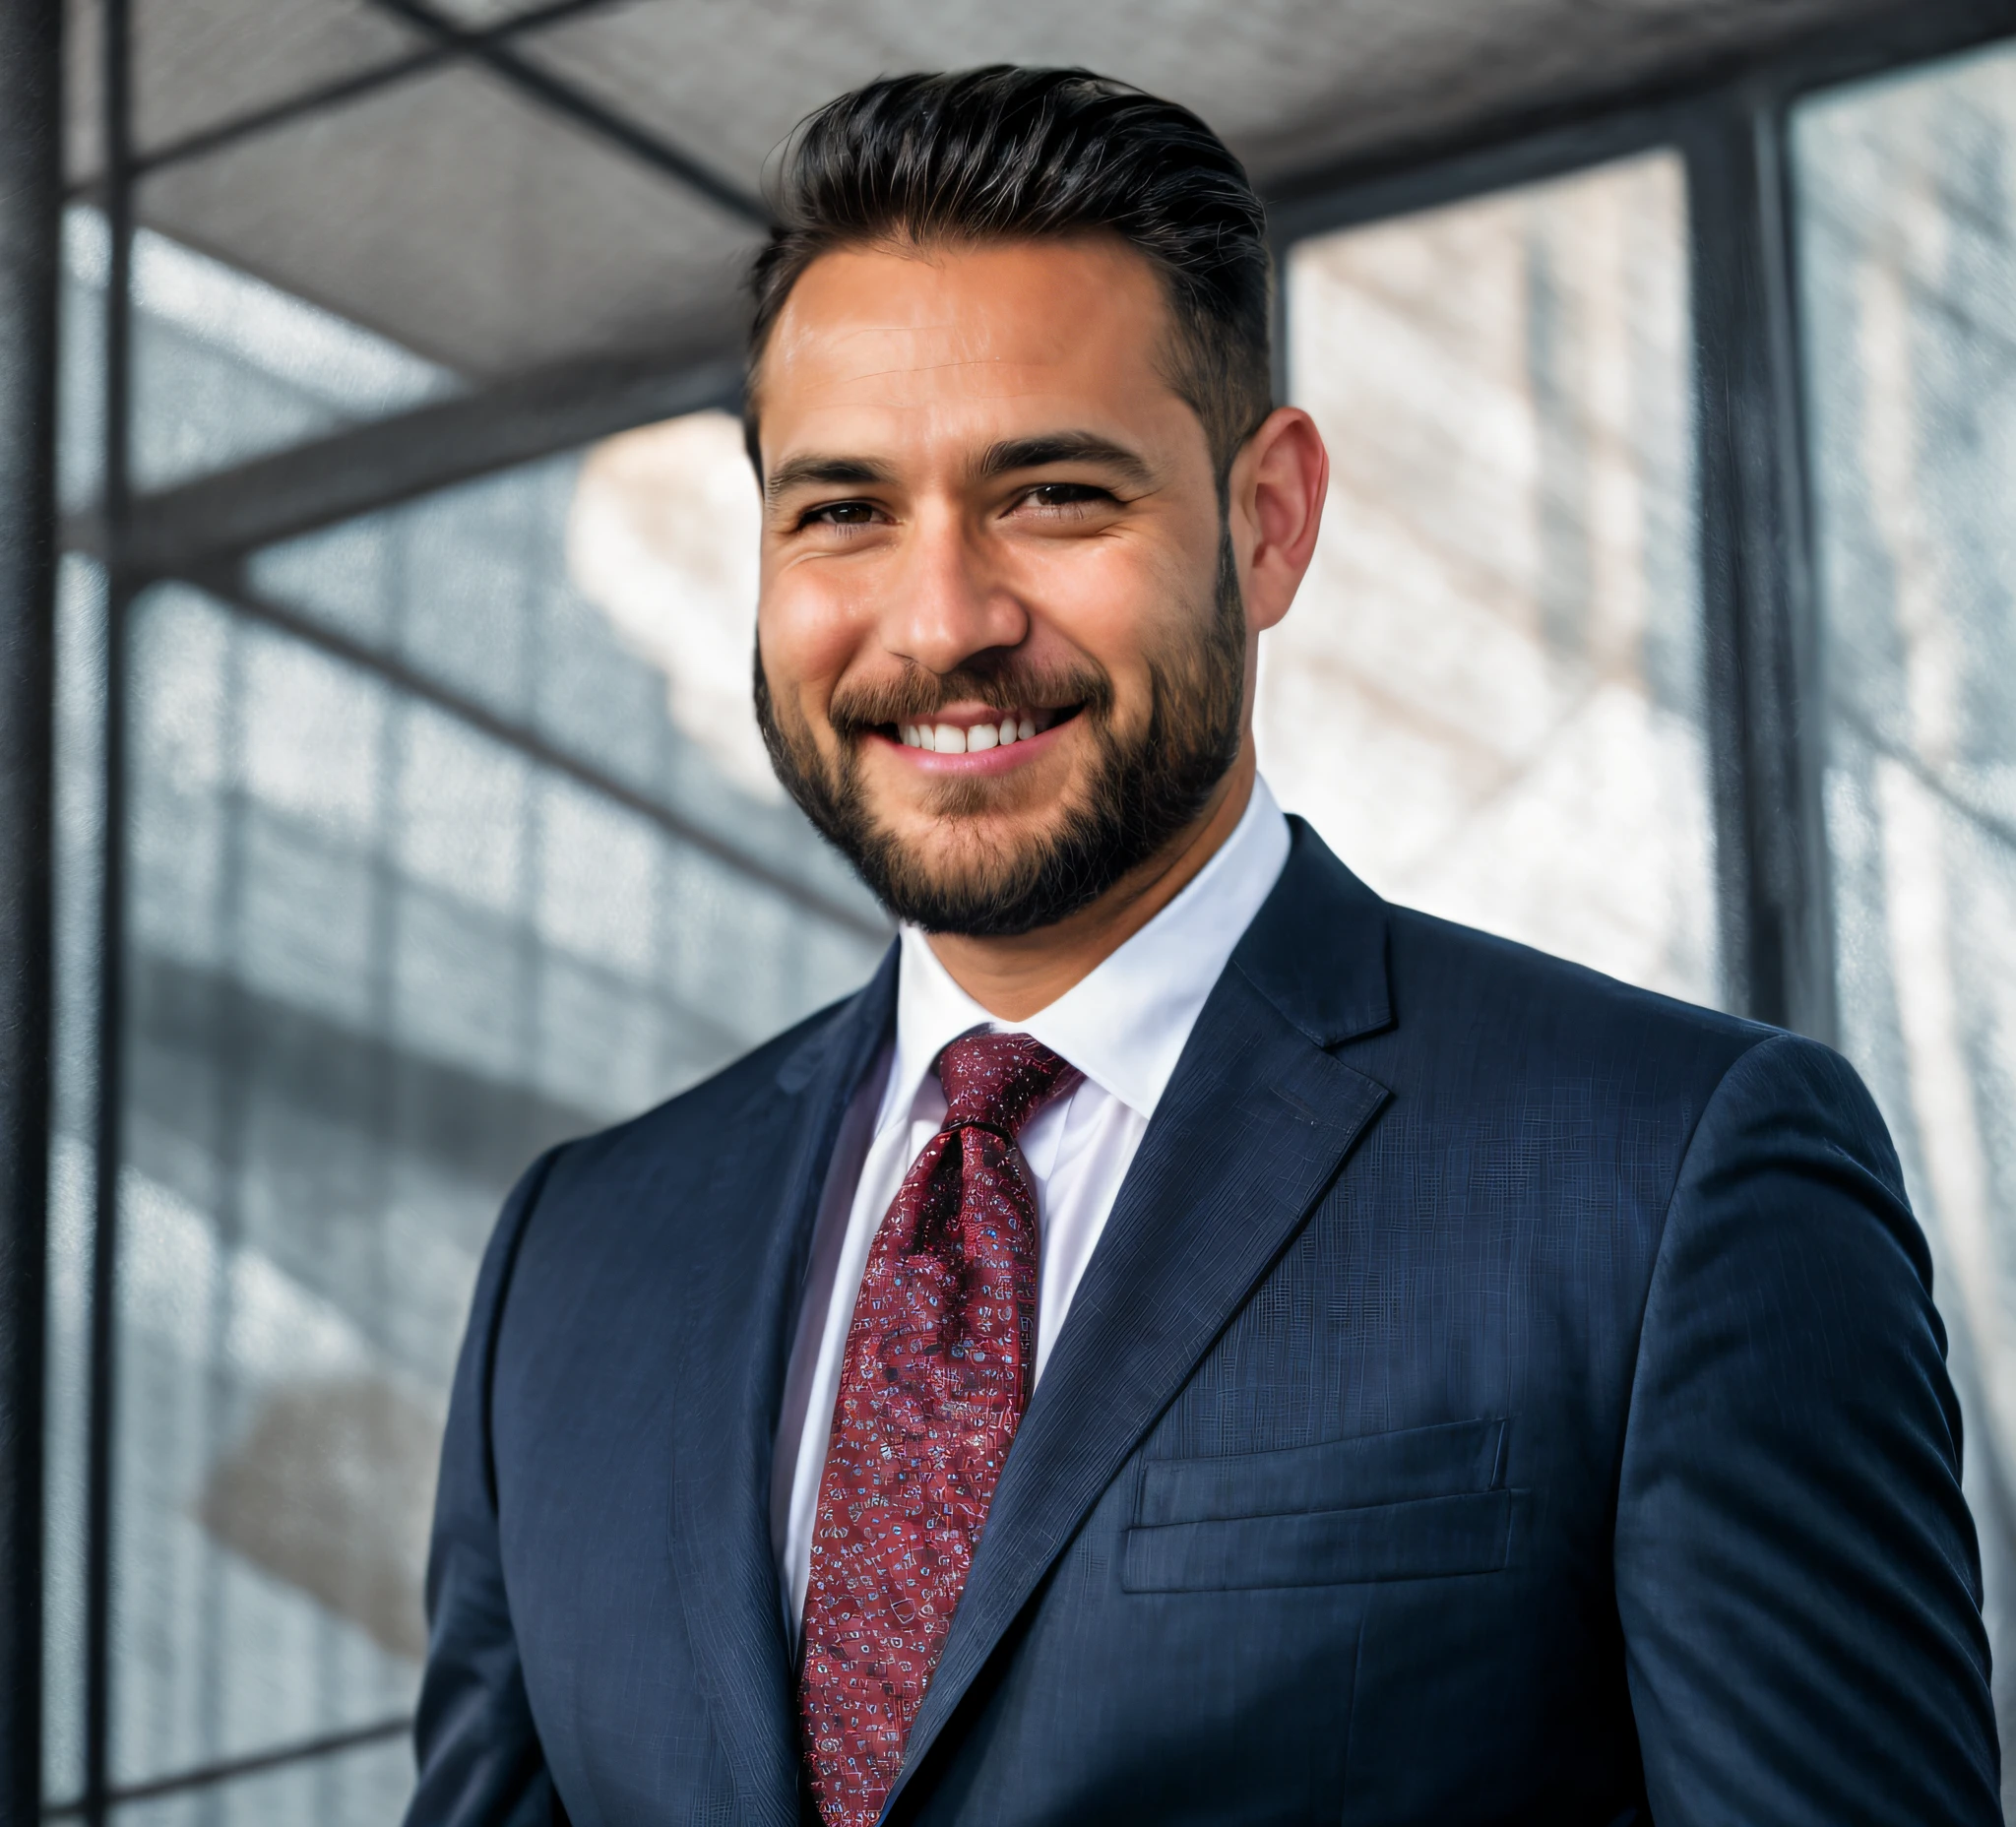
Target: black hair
(1006,153)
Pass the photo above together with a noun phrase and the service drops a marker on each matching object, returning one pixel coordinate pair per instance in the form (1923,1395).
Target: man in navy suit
(1188,1342)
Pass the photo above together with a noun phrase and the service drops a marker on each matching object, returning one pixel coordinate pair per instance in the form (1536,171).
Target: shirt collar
(1125,1024)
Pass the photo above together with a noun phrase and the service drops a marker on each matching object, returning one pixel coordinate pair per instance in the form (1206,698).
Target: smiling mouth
(1018,724)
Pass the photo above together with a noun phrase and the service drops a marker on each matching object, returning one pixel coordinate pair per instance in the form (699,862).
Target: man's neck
(1013,978)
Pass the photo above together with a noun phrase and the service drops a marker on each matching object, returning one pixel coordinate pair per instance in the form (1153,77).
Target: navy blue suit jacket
(1499,1395)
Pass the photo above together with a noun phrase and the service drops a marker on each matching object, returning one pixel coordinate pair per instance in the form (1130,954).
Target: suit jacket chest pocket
(1418,1503)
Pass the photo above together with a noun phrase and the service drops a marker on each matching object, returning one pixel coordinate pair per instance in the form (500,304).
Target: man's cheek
(802,623)
(1133,701)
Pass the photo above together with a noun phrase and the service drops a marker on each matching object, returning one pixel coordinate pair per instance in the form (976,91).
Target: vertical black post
(115,500)
(1283,251)
(31,190)
(1777,938)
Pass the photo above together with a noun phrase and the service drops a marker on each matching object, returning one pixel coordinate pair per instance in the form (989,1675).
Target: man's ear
(1277,484)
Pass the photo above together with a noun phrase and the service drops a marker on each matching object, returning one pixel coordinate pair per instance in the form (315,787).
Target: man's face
(1001,658)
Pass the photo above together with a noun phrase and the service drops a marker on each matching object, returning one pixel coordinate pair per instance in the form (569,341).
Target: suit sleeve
(480,1764)
(1796,1571)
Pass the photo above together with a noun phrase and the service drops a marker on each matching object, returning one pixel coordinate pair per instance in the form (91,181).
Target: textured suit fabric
(1499,1396)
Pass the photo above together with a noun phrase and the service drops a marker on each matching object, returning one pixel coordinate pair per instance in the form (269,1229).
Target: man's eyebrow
(1046,448)
(829,471)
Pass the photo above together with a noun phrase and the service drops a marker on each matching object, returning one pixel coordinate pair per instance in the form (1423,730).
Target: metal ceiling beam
(447,46)
(563,99)
(306,102)
(376,465)
(1528,150)
(1537,140)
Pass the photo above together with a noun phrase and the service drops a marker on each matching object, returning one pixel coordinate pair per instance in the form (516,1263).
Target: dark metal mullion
(562,98)
(1891,39)
(278,114)
(1810,1002)
(30,186)
(206,1775)
(1755,569)
(1539,140)
(115,500)
(1362,191)
(1719,191)
(383,463)
(1280,372)
(230,587)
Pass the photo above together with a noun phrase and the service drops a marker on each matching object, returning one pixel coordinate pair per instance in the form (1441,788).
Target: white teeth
(955,740)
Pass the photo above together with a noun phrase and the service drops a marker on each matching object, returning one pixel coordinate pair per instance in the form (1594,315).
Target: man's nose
(949,602)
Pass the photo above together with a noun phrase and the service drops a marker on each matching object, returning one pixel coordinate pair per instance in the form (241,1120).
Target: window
(1665,617)
(428,863)
(1487,696)
(1908,256)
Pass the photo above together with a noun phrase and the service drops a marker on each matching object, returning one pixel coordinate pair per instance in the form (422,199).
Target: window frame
(1730,121)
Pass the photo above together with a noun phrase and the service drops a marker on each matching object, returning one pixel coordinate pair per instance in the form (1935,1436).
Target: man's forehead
(1029,330)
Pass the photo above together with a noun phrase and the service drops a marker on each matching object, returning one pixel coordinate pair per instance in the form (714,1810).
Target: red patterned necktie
(939,1361)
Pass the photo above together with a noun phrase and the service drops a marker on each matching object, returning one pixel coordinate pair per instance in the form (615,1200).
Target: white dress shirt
(1123,1026)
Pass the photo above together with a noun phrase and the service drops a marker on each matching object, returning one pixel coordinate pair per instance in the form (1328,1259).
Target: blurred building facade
(410,814)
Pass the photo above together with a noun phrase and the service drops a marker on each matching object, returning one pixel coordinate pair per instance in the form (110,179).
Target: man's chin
(994,852)
(972,856)
(979,875)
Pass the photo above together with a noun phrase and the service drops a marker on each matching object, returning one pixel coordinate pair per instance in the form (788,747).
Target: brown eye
(1063,494)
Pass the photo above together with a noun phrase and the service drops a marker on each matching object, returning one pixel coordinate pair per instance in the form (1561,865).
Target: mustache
(919,695)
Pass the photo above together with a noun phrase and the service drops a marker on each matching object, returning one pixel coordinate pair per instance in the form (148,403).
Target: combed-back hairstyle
(1006,154)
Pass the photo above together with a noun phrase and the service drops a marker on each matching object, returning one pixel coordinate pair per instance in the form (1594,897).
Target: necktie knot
(999,1081)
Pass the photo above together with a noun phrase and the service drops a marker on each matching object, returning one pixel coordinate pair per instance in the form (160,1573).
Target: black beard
(1142,792)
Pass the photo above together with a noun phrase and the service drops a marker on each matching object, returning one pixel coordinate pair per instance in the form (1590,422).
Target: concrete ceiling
(452,205)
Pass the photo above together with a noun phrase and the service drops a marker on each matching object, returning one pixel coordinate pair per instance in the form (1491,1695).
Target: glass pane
(363,1788)
(604,605)
(224,366)
(379,955)
(1488,697)
(1907,245)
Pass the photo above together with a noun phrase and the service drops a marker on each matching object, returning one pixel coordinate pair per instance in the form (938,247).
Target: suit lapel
(739,1305)
(1254,1128)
